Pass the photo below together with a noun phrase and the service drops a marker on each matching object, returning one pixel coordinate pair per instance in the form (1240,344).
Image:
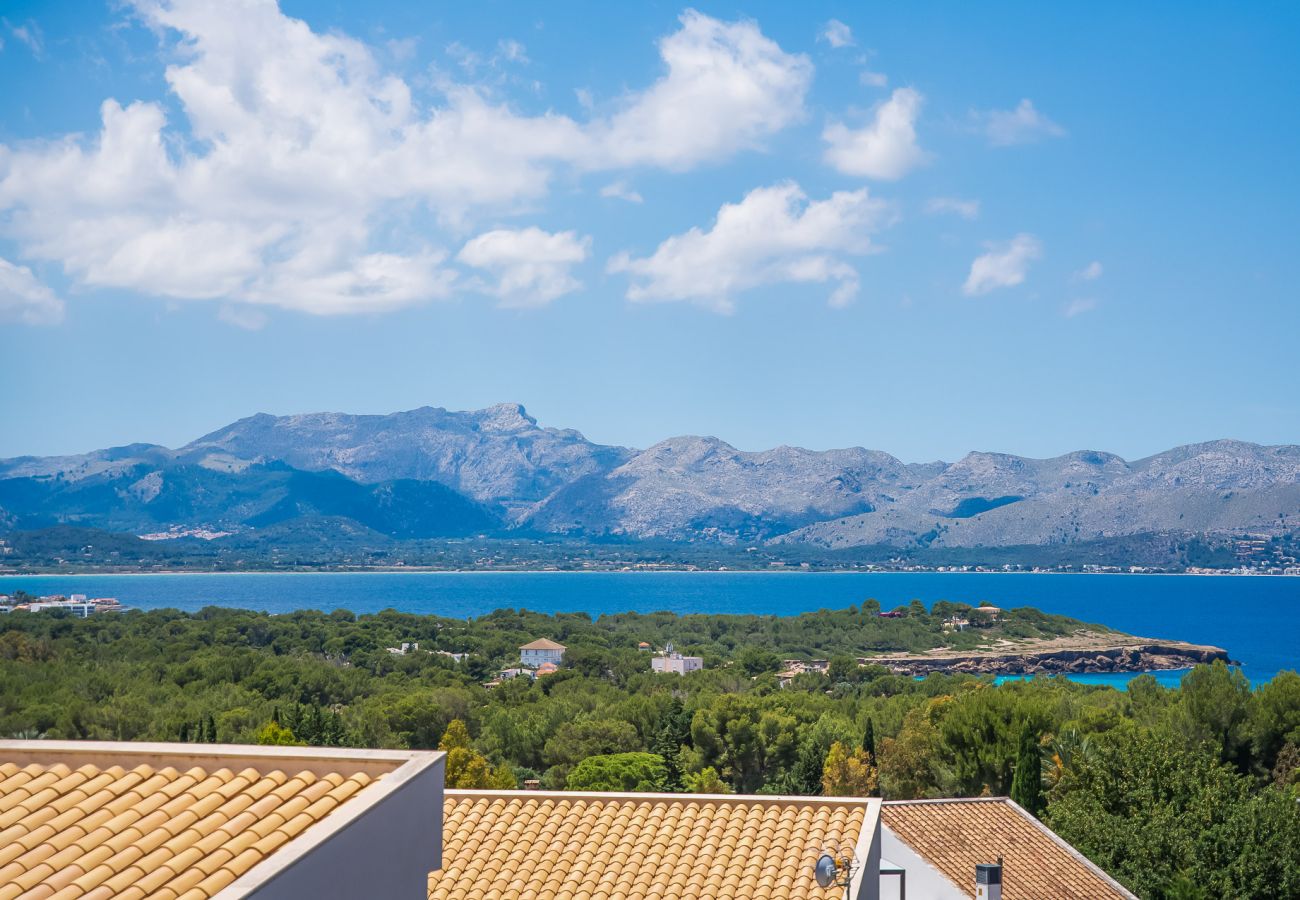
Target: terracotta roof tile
(110,831)
(956,835)
(535,846)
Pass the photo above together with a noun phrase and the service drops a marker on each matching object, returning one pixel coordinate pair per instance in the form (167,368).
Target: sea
(1255,618)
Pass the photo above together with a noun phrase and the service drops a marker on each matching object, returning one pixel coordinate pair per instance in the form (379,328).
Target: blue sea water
(1257,619)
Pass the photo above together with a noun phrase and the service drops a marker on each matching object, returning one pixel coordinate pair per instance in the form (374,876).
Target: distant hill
(152,497)
(431,473)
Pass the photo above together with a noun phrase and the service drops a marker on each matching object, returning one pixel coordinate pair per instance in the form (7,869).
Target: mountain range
(433,473)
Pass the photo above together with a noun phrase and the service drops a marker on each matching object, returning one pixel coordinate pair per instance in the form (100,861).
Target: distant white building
(672,662)
(541,651)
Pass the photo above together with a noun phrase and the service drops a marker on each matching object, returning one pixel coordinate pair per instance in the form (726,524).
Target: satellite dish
(826,871)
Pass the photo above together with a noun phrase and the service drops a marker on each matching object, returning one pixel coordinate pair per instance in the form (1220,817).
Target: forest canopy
(1172,791)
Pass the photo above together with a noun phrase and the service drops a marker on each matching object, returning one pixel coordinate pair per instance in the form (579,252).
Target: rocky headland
(1137,655)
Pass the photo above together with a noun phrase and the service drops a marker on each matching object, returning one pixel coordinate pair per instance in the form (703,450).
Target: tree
(848,773)
(1067,749)
(757,660)
(1027,783)
(869,739)
(1151,810)
(575,741)
(619,772)
(979,734)
(275,735)
(1215,709)
(1286,771)
(842,668)
(673,734)
(705,781)
(456,736)
(1275,719)
(466,768)
(742,740)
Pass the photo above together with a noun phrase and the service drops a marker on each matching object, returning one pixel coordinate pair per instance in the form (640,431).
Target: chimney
(988,881)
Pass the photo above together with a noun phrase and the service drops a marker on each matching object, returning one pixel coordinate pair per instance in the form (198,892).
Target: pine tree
(674,732)
(1027,782)
(806,775)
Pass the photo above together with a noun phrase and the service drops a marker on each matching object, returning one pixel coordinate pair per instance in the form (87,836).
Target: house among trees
(107,820)
(541,651)
(673,663)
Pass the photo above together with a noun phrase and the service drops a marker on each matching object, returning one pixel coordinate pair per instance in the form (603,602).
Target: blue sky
(921,228)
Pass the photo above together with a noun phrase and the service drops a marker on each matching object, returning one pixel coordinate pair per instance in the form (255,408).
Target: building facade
(540,652)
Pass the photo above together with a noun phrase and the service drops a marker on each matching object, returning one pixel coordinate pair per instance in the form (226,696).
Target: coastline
(413,570)
(1132,656)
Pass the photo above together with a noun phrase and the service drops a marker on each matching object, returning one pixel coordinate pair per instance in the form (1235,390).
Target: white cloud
(1078,307)
(727,87)
(1022,125)
(885,149)
(297,164)
(1091,272)
(967,209)
(619,190)
(23,298)
(837,34)
(1004,265)
(873,79)
(773,235)
(531,266)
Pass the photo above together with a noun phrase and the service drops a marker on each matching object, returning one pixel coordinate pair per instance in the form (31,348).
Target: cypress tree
(185,732)
(1027,782)
(869,739)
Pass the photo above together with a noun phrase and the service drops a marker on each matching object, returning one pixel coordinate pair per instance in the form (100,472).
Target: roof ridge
(938,800)
(650,796)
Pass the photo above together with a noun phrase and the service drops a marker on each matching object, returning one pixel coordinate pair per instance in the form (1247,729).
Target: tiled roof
(543,644)
(175,826)
(955,835)
(531,845)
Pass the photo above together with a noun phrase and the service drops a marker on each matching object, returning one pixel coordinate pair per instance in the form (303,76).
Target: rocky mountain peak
(504,418)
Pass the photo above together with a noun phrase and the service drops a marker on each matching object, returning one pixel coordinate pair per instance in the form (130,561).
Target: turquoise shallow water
(1257,619)
(1169,678)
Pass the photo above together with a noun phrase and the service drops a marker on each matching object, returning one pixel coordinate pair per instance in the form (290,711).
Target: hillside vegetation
(1209,772)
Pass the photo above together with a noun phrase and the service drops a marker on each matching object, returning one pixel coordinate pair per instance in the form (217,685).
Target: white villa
(541,651)
(672,662)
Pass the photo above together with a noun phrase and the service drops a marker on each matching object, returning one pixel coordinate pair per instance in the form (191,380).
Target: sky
(921,228)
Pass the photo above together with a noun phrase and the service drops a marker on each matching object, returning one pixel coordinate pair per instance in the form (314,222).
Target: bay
(1257,619)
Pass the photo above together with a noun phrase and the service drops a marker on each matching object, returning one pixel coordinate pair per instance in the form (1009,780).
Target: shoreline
(411,570)
(1135,656)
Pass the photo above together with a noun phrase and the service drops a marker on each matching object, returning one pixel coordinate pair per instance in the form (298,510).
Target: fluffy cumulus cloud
(529,266)
(1004,265)
(297,165)
(23,298)
(837,34)
(1022,125)
(774,235)
(886,147)
(726,87)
